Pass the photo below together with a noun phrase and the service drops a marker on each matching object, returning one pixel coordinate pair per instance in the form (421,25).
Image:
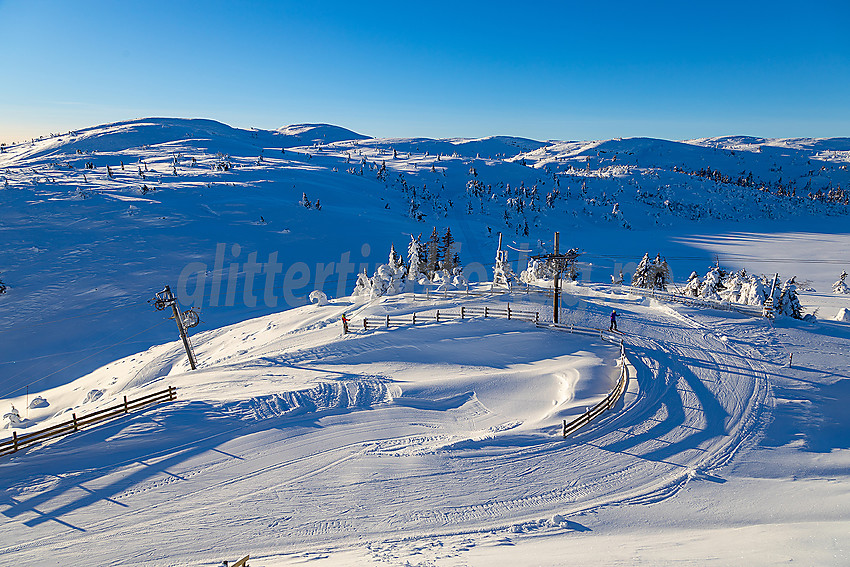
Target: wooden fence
(464,312)
(606,404)
(17,442)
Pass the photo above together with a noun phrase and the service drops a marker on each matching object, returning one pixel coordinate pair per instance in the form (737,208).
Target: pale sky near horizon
(542,70)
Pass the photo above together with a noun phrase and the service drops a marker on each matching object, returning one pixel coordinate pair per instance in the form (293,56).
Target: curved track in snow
(391,471)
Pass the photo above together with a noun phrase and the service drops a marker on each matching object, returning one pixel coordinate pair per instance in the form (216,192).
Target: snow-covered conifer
(641,277)
(305,202)
(447,251)
(395,260)
(618,279)
(693,285)
(415,259)
(660,273)
(840,286)
(503,275)
(363,287)
(711,284)
(788,303)
(432,262)
(754,291)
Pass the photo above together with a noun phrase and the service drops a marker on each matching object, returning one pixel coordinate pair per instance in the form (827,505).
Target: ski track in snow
(369,468)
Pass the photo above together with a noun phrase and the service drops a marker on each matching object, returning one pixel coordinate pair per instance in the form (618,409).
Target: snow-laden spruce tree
(12,419)
(732,285)
(711,285)
(432,262)
(503,275)
(395,261)
(447,250)
(415,260)
(838,287)
(380,281)
(652,274)
(692,287)
(754,290)
(642,276)
(661,273)
(788,303)
(363,287)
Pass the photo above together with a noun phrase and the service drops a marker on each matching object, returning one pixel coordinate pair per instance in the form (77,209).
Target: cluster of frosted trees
(746,289)
(435,261)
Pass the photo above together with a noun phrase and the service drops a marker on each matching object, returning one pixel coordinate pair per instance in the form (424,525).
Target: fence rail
(17,442)
(605,404)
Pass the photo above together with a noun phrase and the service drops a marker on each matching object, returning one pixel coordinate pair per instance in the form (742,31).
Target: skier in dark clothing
(613,325)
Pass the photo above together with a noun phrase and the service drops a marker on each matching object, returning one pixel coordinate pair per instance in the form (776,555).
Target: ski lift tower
(558,263)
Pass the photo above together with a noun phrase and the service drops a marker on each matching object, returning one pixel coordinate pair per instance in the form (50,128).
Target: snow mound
(843,315)
(39,402)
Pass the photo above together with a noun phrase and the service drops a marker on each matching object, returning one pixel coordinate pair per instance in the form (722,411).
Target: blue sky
(544,70)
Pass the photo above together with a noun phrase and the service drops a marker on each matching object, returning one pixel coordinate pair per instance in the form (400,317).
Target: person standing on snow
(613,325)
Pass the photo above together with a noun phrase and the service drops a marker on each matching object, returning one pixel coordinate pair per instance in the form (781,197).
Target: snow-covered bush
(12,418)
(537,270)
(318,297)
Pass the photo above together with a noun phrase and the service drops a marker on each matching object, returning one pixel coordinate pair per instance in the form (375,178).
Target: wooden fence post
(536,316)
(15,441)
(461,311)
(365,324)
(438,315)
(75,421)
(509,311)
(171,394)
(126,410)
(388,321)
(414,318)
(485,311)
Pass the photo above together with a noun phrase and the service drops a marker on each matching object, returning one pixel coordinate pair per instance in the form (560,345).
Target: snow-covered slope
(99,219)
